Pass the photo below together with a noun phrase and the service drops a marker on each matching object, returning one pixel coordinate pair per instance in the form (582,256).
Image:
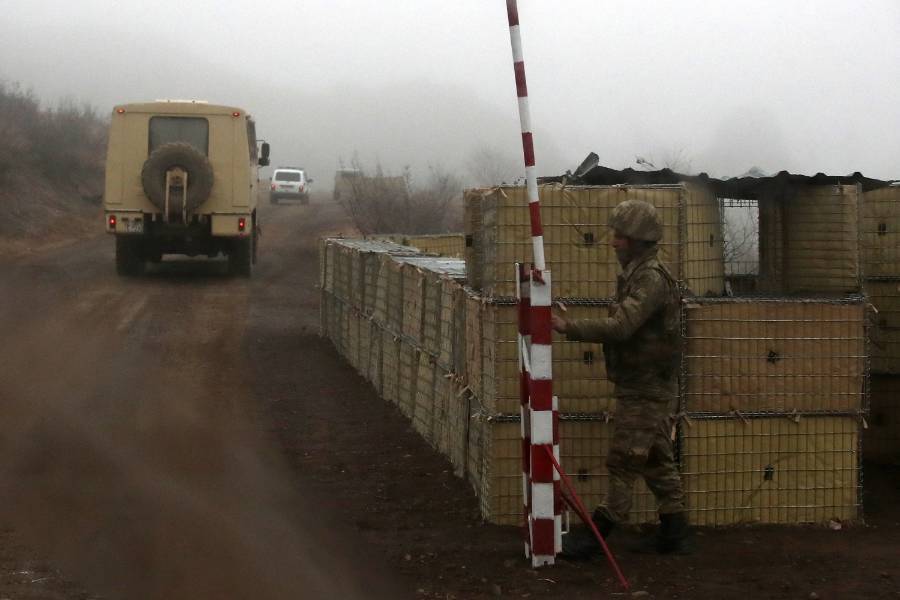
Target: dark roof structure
(590,172)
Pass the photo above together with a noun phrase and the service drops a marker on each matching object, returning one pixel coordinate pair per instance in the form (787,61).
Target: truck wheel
(129,261)
(240,260)
(177,154)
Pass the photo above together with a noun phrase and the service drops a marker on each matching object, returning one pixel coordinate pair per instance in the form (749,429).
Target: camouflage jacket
(641,337)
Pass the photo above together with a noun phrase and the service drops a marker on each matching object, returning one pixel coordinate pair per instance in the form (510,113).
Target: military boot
(580,543)
(673,534)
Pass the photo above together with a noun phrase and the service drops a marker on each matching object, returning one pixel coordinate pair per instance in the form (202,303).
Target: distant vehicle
(290,183)
(181,178)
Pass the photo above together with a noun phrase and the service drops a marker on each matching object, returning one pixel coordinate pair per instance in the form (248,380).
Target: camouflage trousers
(642,446)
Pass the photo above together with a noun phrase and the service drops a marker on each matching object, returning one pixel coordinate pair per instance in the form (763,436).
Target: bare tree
(740,230)
(488,165)
(384,203)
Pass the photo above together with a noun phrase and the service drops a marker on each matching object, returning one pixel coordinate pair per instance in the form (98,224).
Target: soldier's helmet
(638,220)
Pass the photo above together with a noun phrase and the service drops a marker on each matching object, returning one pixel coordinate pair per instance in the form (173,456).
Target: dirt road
(134,452)
(189,435)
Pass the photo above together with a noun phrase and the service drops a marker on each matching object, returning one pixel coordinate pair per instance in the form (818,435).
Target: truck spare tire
(168,156)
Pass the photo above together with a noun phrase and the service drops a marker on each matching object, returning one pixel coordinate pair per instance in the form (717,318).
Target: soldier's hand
(558,323)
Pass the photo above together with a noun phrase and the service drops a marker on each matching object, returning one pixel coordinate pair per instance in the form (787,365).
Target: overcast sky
(805,86)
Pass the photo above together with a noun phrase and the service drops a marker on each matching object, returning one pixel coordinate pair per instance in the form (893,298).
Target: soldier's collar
(639,259)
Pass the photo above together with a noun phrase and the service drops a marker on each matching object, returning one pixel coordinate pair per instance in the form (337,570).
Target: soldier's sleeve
(648,294)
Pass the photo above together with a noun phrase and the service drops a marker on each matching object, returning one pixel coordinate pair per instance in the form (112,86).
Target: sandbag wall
(881,268)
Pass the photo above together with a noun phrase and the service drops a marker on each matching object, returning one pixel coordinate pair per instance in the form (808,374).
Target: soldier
(641,345)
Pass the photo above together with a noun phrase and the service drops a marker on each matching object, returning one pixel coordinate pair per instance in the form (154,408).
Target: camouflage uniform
(641,345)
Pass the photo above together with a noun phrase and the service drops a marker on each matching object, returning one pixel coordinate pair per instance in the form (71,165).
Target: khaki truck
(181,178)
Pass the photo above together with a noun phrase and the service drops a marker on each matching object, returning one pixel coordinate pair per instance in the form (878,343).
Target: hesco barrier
(451,245)
(774,355)
(881,233)
(576,237)
(882,440)
(772,469)
(773,390)
(579,373)
(809,240)
(885,348)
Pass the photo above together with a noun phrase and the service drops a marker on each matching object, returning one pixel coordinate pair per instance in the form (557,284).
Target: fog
(715,87)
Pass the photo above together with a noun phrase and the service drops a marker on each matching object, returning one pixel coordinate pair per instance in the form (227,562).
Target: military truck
(181,178)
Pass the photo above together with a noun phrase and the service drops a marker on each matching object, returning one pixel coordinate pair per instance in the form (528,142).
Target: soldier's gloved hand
(558,323)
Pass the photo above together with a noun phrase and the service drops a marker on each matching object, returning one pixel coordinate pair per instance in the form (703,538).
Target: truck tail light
(112,221)
(242,224)
(273,186)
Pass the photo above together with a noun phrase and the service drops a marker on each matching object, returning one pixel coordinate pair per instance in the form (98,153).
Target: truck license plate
(134,226)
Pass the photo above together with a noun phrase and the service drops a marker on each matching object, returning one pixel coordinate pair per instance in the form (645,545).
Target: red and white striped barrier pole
(540,430)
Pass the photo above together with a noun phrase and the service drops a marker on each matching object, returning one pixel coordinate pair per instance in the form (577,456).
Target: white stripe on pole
(515,39)
(542,428)
(542,501)
(541,362)
(524,114)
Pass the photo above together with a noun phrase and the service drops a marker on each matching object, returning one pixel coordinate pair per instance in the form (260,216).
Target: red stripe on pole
(541,468)
(541,394)
(521,85)
(543,533)
(540,325)
(528,147)
(536,227)
(512,12)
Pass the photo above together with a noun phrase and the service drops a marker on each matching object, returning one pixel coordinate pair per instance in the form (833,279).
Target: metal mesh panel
(881,232)
(423,409)
(771,470)
(885,348)
(390,374)
(576,237)
(472,231)
(579,372)
(409,362)
(413,303)
(774,356)
(810,240)
(584,445)
(445,244)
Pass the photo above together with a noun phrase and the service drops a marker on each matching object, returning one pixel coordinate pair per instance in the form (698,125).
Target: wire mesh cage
(774,355)
(584,446)
(772,469)
(579,372)
(884,294)
(881,232)
(576,237)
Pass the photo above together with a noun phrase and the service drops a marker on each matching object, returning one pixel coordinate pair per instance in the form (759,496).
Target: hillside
(51,170)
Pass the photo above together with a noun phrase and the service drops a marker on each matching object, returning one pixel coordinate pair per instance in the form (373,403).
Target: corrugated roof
(592,173)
